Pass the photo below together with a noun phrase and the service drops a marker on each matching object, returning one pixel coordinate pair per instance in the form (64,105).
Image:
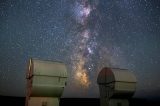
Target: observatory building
(45,82)
(116,86)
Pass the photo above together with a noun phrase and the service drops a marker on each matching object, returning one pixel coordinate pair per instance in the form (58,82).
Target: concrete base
(114,102)
(43,101)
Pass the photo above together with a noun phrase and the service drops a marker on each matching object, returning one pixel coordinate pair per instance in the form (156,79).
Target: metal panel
(49,68)
(123,75)
(110,75)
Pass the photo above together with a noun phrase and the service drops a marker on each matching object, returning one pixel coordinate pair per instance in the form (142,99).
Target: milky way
(84,34)
(81,11)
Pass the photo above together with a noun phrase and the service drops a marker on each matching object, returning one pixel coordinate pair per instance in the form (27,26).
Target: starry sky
(86,35)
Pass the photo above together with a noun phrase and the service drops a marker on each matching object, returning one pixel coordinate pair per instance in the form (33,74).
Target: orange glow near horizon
(81,74)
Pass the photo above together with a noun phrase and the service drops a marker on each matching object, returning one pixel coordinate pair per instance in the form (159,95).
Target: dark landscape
(20,101)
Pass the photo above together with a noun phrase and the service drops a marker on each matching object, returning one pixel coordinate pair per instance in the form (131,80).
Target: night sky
(86,35)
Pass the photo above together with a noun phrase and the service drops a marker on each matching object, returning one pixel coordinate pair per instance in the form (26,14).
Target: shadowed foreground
(20,101)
